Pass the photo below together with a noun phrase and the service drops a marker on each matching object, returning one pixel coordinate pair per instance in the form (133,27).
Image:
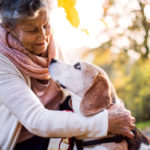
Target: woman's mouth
(40,44)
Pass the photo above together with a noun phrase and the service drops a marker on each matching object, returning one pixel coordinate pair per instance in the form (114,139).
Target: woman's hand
(120,121)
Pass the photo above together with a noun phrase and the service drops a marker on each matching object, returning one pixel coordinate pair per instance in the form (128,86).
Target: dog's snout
(53,60)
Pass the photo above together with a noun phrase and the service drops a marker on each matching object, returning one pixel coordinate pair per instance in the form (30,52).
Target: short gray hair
(12,11)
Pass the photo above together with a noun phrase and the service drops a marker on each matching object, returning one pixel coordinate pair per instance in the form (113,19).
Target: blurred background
(113,34)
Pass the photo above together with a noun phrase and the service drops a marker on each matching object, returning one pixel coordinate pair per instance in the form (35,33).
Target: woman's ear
(97,97)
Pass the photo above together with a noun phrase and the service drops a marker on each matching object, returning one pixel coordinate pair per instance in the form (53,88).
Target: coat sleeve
(17,96)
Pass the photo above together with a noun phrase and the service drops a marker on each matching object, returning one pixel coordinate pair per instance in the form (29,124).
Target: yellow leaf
(71,12)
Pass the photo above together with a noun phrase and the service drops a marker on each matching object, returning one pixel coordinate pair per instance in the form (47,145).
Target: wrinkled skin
(120,121)
(33,33)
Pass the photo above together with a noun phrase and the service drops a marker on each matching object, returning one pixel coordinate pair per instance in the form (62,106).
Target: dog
(91,92)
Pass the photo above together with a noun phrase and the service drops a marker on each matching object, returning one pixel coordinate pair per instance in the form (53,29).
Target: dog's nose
(53,60)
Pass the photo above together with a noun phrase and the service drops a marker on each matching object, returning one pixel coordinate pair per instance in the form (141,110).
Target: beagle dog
(92,92)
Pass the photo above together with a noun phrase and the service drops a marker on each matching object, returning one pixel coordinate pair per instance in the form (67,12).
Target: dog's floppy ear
(97,97)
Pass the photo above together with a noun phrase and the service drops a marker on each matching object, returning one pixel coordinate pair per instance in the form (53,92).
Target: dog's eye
(77,66)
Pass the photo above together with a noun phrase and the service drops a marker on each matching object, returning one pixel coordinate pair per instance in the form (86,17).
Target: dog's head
(87,81)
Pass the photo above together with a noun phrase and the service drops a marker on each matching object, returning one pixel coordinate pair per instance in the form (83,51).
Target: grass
(143,125)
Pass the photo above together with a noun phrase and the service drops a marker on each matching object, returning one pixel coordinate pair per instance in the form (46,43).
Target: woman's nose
(42,34)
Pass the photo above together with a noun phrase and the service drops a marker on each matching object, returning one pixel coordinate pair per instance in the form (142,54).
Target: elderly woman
(29,99)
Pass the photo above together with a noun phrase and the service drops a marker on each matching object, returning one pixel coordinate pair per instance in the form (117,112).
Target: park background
(113,34)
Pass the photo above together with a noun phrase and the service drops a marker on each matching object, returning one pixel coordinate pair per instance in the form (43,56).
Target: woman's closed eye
(77,66)
(34,30)
(31,30)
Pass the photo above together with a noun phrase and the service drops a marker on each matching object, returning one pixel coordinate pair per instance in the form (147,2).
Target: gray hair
(12,11)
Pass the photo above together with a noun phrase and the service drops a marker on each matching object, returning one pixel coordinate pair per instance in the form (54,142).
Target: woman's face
(34,34)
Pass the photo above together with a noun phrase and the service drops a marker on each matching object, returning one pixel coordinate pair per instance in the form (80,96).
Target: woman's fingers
(128,134)
(120,121)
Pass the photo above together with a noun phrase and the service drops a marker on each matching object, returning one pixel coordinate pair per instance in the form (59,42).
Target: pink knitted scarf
(32,65)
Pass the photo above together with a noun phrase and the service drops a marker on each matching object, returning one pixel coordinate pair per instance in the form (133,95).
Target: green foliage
(143,125)
(137,85)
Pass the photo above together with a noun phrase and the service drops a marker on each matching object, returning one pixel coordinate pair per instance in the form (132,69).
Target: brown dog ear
(97,97)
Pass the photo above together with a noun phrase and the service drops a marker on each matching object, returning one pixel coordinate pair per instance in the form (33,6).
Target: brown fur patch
(97,97)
